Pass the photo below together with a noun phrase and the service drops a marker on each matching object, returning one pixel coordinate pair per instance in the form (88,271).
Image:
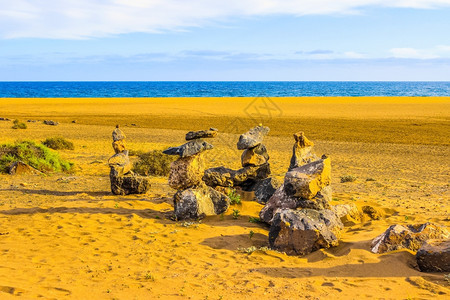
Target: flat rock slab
(299,232)
(307,180)
(193,135)
(129,184)
(196,203)
(253,137)
(434,256)
(190,148)
(410,237)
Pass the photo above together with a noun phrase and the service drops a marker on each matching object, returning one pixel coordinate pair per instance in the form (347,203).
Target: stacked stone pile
(123,180)
(255,171)
(194,199)
(299,211)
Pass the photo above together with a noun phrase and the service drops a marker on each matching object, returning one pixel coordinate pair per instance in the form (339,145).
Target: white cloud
(436,52)
(79,19)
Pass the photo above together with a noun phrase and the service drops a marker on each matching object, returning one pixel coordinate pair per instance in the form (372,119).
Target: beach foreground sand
(67,236)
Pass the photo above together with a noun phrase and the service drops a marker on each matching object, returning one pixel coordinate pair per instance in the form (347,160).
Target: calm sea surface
(219,89)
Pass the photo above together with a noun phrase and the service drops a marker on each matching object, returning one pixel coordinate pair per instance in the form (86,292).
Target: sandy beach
(65,235)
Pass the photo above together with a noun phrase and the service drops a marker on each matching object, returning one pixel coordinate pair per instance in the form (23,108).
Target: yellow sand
(66,236)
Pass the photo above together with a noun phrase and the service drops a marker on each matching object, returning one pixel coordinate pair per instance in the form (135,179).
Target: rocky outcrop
(299,232)
(304,187)
(434,256)
(302,152)
(410,237)
(190,148)
(252,138)
(194,199)
(198,202)
(123,180)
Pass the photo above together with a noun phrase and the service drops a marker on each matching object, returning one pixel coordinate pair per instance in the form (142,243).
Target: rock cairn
(194,199)
(123,180)
(299,211)
(255,171)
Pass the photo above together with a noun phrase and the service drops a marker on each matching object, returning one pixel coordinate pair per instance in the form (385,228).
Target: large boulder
(264,189)
(307,180)
(190,148)
(196,203)
(254,156)
(210,133)
(120,163)
(410,237)
(186,172)
(253,137)
(302,152)
(299,232)
(434,256)
(280,199)
(129,184)
(245,177)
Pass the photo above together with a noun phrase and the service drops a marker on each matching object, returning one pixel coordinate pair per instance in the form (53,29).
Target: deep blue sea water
(100,89)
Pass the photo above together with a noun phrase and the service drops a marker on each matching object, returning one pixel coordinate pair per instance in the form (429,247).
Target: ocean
(99,89)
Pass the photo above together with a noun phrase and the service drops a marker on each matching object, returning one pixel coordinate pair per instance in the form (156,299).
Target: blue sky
(225,40)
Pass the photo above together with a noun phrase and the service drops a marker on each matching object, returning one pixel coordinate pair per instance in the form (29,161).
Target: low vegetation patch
(235,198)
(19,125)
(36,155)
(153,163)
(348,178)
(58,143)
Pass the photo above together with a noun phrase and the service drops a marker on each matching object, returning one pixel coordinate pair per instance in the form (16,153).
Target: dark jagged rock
(196,203)
(186,172)
(190,148)
(21,168)
(302,152)
(50,122)
(118,134)
(253,137)
(299,232)
(410,237)
(128,184)
(246,176)
(210,133)
(434,256)
(307,180)
(254,156)
(265,189)
(280,199)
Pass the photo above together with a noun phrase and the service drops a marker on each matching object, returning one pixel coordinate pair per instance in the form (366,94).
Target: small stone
(434,256)
(254,156)
(118,134)
(118,146)
(372,212)
(307,180)
(186,172)
(50,122)
(253,137)
(21,168)
(302,152)
(120,163)
(196,203)
(348,213)
(210,133)
(410,237)
(299,232)
(190,148)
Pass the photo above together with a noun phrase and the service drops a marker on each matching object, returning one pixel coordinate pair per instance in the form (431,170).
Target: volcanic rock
(210,133)
(120,163)
(434,256)
(253,137)
(245,177)
(118,134)
(119,146)
(299,232)
(190,148)
(254,156)
(186,172)
(302,152)
(50,122)
(128,184)
(410,237)
(21,168)
(348,213)
(265,189)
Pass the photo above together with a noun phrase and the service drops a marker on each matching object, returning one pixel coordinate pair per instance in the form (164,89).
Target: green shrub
(19,125)
(236,213)
(153,163)
(348,178)
(36,155)
(58,143)
(235,198)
